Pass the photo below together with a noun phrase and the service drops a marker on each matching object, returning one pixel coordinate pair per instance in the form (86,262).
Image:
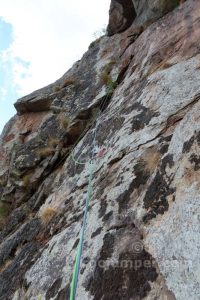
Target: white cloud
(50,35)
(3,93)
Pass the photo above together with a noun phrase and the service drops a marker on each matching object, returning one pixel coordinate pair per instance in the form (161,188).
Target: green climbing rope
(76,271)
(74,282)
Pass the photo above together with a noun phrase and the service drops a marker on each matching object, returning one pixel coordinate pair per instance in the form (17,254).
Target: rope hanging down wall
(76,271)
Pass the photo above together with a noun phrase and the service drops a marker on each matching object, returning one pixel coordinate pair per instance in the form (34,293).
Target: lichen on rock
(132,104)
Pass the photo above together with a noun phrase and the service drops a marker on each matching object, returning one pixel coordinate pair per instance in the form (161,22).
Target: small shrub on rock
(47,214)
(45,152)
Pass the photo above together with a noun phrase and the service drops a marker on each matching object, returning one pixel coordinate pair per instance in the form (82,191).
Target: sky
(40,40)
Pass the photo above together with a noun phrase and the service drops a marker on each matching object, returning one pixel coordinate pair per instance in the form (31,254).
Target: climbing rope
(94,120)
(76,271)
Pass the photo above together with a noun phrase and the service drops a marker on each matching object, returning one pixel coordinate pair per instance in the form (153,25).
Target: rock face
(142,12)
(151,10)
(132,105)
(121,16)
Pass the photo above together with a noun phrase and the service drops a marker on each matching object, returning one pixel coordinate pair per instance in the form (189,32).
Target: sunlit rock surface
(131,102)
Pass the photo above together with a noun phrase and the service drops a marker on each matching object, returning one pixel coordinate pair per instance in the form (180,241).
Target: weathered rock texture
(138,93)
(142,12)
(121,16)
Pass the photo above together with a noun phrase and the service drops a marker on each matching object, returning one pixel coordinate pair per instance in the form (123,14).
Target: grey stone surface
(133,102)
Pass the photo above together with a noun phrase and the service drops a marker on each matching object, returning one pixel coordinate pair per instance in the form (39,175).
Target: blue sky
(9,90)
(40,40)
(6,32)
(7,93)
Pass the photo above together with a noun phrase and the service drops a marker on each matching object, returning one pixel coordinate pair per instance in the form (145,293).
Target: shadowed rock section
(121,16)
(124,13)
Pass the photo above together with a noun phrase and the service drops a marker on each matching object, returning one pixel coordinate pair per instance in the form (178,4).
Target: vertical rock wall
(132,101)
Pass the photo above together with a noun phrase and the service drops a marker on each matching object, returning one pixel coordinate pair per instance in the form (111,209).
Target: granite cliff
(131,103)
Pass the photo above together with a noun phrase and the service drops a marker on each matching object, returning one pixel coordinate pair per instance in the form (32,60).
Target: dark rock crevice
(122,14)
(11,278)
